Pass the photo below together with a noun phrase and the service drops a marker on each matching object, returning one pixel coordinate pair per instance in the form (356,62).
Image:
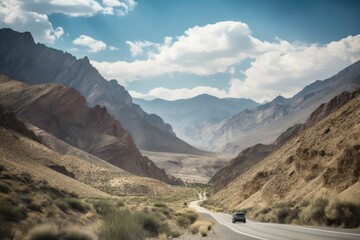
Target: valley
(81,159)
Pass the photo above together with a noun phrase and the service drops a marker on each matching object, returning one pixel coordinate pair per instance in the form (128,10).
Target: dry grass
(195,227)
(203,230)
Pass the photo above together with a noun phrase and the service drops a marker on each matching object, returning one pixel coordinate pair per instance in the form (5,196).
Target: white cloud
(92,44)
(112,48)
(137,47)
(180,93)
(277,68)
(32,15)
(120,7)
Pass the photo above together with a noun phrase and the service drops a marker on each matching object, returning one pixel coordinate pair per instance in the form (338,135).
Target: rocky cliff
(63,112)
(22,59)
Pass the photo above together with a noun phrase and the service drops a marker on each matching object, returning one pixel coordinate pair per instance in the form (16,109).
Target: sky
(174,49)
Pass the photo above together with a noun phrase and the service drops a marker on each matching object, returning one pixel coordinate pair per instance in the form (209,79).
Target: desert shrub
(262,211)
(343,213)
(34,207)
(50,212)
(149,223)
(6,231)
(2,167)
(62,205)
(102,207)
(194,229)
(314,213)
(4,188)
(120,204)
(120,225)
(185,204)
(203,230)
(160,204)
(11,213)
(76,233)
(77,205)
(186,219)
(44,232)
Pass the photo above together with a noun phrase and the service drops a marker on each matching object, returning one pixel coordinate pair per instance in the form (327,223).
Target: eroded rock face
(63,112)
(23,60)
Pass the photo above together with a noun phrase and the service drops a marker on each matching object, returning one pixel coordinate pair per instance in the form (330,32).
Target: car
(239,217)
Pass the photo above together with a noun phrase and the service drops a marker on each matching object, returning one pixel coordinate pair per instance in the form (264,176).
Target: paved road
(273,231)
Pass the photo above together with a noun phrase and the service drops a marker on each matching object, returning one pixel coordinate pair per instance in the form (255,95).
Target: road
(273,231)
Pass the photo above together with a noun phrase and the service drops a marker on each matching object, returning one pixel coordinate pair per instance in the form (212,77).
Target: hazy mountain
(22,59)
(189,116)
(266,122)
(321,158)
(62,112)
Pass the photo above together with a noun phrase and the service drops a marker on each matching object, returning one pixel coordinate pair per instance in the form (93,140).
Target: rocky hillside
(321,160)
(266,122)
(63,112)
(22,59)
(189,116)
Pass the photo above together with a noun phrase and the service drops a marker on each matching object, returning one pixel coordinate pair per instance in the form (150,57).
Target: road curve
(274,231)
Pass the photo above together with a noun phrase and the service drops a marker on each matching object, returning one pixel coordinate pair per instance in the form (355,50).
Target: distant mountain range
(189,116)
(265,123)
(22,59)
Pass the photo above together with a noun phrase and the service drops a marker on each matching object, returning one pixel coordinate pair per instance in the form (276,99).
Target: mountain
(22,59)
(189,116)
(63,112)
(318,158)
(266,122)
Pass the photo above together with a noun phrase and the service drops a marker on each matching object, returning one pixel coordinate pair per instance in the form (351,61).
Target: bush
(11,213)
(160,204)
(162,236)
(76,233)
(343,213)
(120,204)
(120,225)
(4,188)
(186,219)
(77,205)
(44,232)
(53,232)
(203,230)
(102,207)
(149,223)
(314,213)
(6,232)
(62,205)
(34,207)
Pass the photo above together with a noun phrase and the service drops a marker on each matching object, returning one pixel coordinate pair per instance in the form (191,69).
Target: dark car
(239,217)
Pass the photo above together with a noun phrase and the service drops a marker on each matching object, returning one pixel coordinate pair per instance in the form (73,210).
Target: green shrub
(160,204)
(120,225)
(186,219)
(6,231)
(53,232)
(4,188)
(77,233)
(149,223)
(44,232)
(314,213)
(62,205)
(102,207)
(77,205)
(120,204)
(11,213)
(343,213)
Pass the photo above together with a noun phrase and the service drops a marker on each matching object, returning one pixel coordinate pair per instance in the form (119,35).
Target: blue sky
(177,49)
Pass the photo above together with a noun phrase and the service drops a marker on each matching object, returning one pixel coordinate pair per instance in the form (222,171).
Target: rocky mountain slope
(253,155)
(63,112)
(189,116)
(266,122)
(22,59)
(321,160)
(20,154)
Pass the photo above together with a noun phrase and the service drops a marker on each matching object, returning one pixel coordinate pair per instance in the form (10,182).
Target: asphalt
(270,231)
